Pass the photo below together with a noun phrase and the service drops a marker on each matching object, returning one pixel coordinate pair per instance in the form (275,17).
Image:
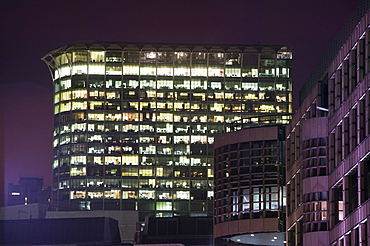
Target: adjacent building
(307,170)
(134,123)
(349,139)
(328,146)
(28,190)
(250,186)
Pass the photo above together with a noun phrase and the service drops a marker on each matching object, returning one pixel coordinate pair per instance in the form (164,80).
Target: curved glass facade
(134,124)
(249,182)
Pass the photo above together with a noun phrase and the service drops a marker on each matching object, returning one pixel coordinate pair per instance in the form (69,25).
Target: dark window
(353,188)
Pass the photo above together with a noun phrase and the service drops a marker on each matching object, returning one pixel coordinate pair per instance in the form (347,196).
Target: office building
(250,186)
(328,143)
(134,124)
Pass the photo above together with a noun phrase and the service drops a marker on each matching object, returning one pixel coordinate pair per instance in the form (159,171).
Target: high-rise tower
(134,124)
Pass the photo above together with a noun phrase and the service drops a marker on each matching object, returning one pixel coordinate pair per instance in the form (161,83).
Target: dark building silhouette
(28,190)
(71,231)
(185,230)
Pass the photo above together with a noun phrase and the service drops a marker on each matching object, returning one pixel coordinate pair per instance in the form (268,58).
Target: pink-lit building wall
(349,139)
(328,152)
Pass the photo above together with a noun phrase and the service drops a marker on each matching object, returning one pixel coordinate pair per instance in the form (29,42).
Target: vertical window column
(297,141)
(338,145)
(331,96)
(366,173)
(345,137)
(341,242)
(367,51)
(367,113)
(361,121)
(332,210)
(331,152)
(347,239)
(362,182)
(294,193)
(291,235)
(299,190)
(288,162)
(299,232)
(336,204)
(346,196)
(360,59)
(337,90)
(363,233)
(345,79)
(353,190)
(353,129)
(288,200)
(352,70)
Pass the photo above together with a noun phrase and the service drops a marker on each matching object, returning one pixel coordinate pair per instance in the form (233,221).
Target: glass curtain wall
(134,127)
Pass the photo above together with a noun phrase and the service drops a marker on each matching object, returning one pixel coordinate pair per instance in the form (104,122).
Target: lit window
(182,195)
(164,71)
(146,172)
(164,195)
(182,71)
(113,194)
(165,206)
(96,68)
(78,94)
(159,172)
(128,195)
(78,171)
(95,194)
(114,70)
(148,71)
(66,95)
(130,70)
(79,69)
(130,160)
(97,56)
(112,160)
(96,117)
(78,160)
(210,172)
(56,109)
(77,194)
(79,105)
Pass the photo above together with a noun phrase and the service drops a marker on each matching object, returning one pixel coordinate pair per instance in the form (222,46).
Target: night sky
(30,29)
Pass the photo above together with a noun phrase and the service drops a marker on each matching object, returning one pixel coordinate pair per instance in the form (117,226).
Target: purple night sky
(30,29)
